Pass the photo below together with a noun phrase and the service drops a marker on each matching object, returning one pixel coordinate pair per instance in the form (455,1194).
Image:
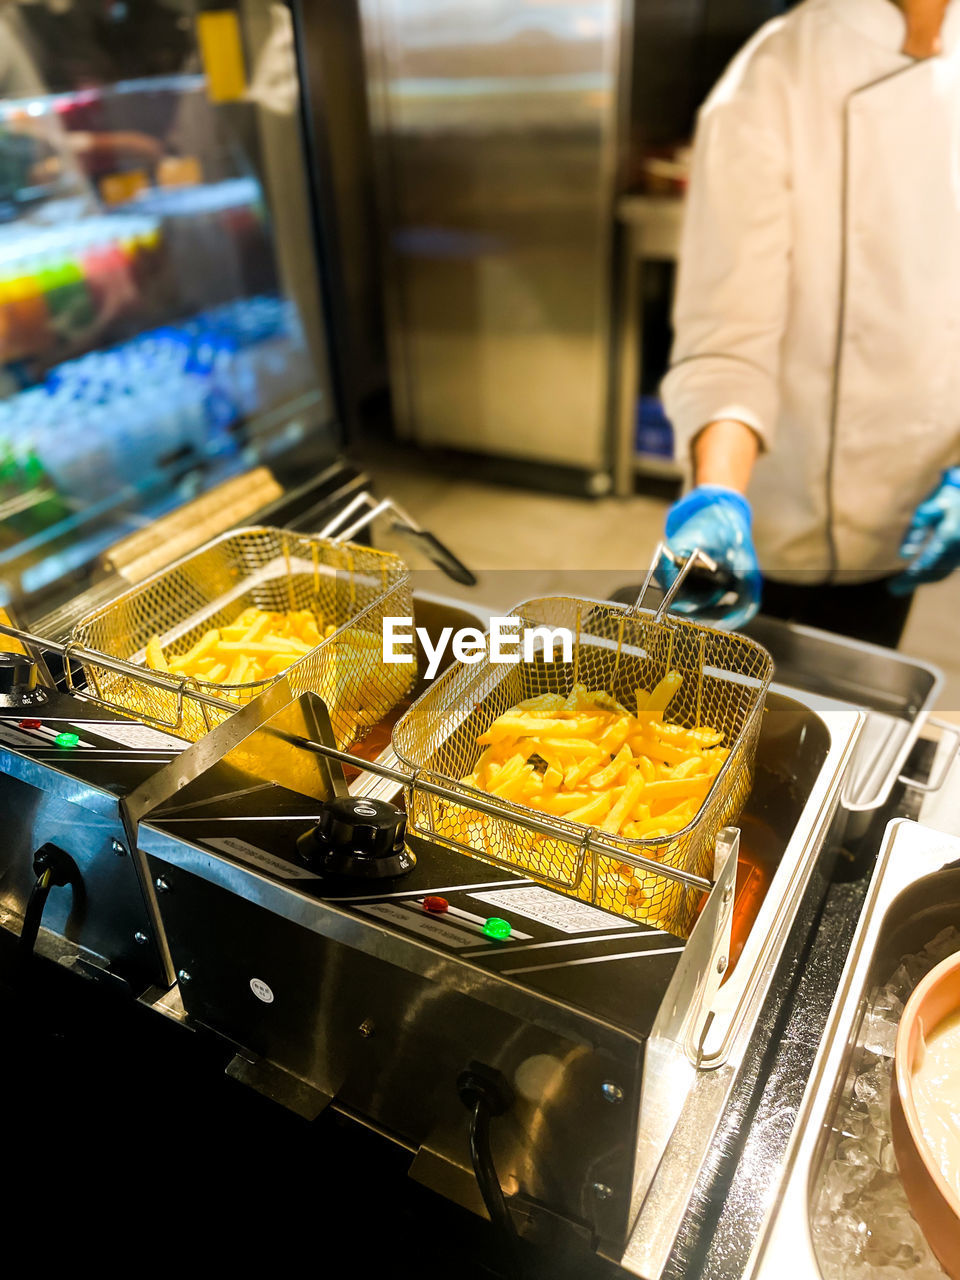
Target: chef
(814,386)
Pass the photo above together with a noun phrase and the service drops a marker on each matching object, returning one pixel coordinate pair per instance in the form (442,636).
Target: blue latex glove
(718,521)
(932,543)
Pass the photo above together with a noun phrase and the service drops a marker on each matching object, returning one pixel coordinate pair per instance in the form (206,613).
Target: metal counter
(689,1161)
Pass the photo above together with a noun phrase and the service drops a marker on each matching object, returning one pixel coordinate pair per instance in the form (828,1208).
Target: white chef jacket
(818,297)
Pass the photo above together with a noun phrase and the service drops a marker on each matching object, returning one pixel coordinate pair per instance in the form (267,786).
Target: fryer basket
(616,650)
(353,586)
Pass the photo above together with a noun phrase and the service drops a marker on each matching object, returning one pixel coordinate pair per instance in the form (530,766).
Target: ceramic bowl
(935,1204)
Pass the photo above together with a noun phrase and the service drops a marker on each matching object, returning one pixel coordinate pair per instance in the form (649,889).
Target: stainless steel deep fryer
(616,650)
(352,586)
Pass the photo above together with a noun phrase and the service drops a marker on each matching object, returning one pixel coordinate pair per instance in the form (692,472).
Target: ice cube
(880,1031)
(888,1158)
(887,1003)
(860,1219)
(901,983)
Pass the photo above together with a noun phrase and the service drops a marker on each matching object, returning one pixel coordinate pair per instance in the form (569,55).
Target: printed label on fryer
(424,924)
(565,914)
(261,990)
(259,858)
(140,737)
(14,738)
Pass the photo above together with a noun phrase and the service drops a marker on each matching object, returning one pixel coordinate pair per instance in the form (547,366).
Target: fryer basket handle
(697,558)
(364,508)
(936,780)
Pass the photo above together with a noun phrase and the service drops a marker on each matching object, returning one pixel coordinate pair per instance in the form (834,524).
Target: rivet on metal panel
(161,885)
(141,937)
(611,1092)
(118,848)
(722,964)
(366,1028)
(183,976)
(727,893)
(602,1191)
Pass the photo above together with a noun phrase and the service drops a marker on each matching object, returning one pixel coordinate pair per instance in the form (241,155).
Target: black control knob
(358,839)
(18,680)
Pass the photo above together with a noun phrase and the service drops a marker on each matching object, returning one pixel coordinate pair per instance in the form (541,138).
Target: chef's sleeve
(733,277)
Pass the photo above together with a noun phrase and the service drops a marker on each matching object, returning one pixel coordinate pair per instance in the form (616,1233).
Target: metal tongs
(707,580)
(343,529)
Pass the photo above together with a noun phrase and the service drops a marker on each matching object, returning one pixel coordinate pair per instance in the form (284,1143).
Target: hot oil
(376,741)
(759,857)
(765,827)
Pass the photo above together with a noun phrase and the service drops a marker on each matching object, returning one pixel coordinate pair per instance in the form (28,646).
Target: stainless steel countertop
(733,1194)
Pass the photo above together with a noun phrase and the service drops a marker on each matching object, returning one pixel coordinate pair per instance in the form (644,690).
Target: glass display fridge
(162,323)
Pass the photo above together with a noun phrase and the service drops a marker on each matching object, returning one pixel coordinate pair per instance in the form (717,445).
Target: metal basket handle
(170,682)
(365,508)
(435,785)
(697,557)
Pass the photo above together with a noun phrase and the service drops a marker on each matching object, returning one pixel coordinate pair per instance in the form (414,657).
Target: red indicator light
(31,724)
(436,905)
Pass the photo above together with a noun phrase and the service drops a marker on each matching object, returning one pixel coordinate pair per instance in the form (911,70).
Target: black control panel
(482,914)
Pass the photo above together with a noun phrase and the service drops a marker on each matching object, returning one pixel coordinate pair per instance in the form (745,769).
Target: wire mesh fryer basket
(615,650)
(351,586)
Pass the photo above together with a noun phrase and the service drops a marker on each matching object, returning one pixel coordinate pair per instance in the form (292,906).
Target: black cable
(486,1093)
(32,916)
(486,1173)
(53,868)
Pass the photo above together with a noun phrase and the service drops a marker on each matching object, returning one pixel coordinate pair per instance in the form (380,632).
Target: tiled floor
(523,544)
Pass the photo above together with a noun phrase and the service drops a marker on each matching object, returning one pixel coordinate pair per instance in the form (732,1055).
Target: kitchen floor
(522,544)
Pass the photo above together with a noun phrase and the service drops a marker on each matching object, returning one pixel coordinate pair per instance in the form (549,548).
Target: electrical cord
(53,868)
(485,1171)
(486,1093)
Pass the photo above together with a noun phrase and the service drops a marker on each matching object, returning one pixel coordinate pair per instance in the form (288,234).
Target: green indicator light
(496,928)
(67,739)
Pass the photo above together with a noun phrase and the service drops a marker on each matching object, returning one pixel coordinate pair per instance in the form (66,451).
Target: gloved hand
(718,521)
(932,543)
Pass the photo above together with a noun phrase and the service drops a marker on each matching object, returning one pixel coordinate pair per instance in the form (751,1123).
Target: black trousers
(862,610)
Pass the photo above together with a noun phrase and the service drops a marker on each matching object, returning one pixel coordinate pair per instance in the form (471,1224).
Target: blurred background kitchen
(258,258)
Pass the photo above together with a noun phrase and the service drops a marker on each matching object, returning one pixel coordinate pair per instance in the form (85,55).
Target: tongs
(707,581)
(343,528)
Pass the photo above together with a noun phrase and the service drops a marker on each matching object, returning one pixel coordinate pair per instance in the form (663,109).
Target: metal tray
(912,896)
(802,759)
(897,693)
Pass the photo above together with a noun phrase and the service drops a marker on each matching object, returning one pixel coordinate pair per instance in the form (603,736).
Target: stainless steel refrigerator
(503,131)
(496,131)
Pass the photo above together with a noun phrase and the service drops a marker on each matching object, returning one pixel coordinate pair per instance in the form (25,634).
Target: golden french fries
(257,646)
(587,758)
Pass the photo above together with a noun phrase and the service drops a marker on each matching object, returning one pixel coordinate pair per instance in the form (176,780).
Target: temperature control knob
(18,680)
(358,839)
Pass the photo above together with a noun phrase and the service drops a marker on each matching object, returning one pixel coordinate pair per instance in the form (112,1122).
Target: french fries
(257,646)
(589,759)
